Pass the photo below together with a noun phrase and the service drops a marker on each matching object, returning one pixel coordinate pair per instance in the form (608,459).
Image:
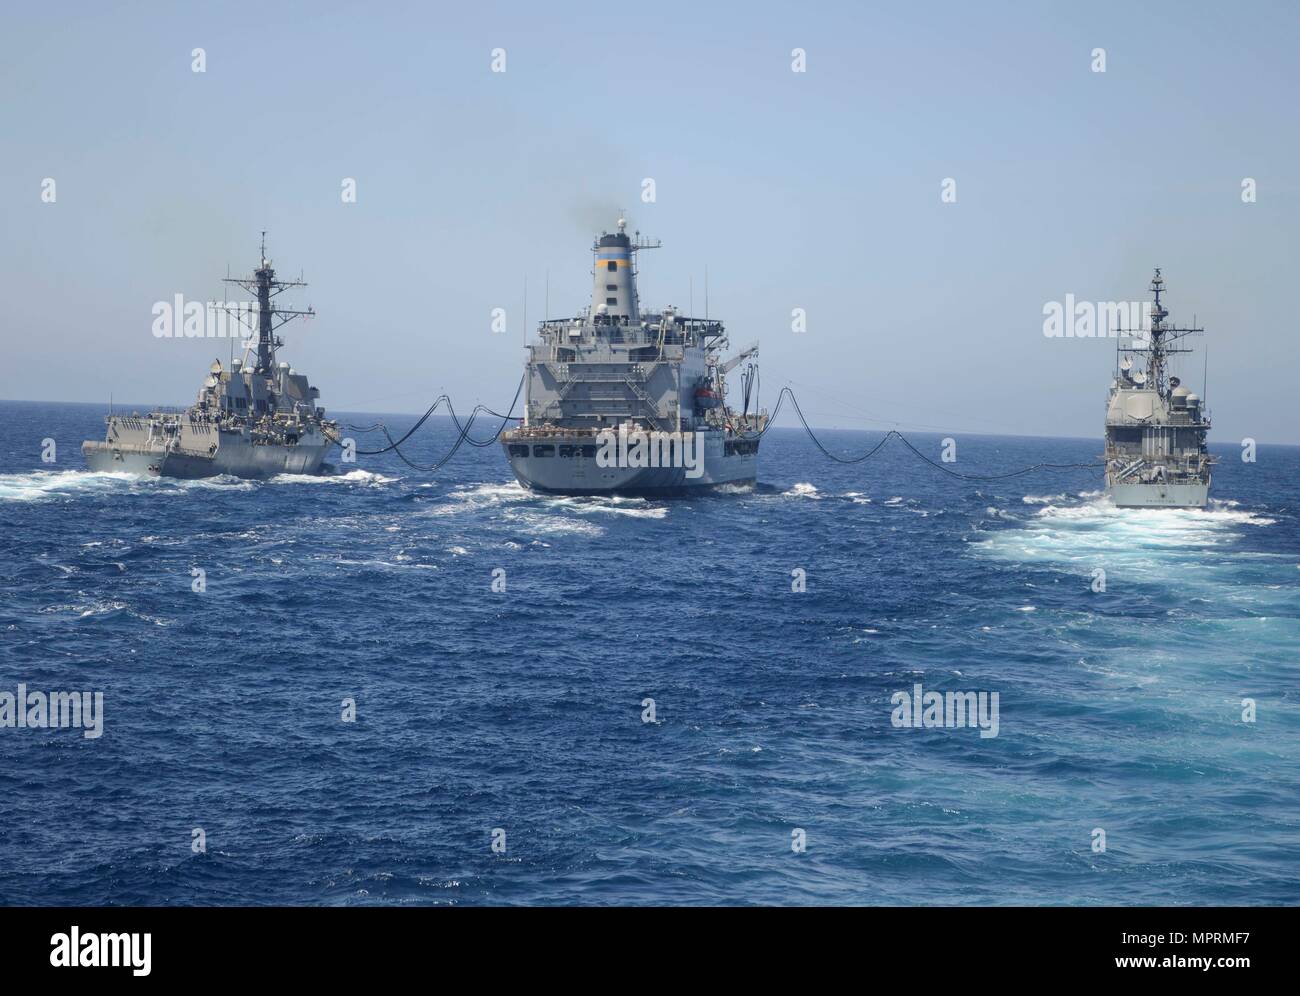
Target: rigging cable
(485,410)
(817,442)
(463,436)
(894,433)
(990,477)
(380,425)
(463,431)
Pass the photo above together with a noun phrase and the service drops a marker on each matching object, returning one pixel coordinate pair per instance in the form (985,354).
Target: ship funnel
(613,291)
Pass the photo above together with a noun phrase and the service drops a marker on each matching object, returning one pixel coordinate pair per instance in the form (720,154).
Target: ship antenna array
(264,285)
(1162,338)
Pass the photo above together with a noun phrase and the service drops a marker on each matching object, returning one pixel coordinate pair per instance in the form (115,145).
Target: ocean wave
(479,496)
(174,485)
(1156,520)
(803,490)
(546,510)
(536,523)
(365,477)
(1189,548)
(488,496)
(103,609)
(394,565)
(44,484)
(637,508)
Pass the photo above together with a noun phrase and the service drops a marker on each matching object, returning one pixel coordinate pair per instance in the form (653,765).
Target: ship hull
(1195,495)
(230,453)
(577,474)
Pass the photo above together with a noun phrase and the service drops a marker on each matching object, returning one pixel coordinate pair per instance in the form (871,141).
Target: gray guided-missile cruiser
(1156,455)
(621,401)
(256,419)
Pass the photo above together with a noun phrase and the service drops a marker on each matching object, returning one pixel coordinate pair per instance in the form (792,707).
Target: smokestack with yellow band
(613,292)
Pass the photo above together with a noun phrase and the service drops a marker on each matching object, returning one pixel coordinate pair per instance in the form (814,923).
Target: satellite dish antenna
(1139,378)
(1126,365)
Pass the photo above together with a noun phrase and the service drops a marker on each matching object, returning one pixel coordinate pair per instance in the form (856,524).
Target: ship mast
(1156,358)
(269,318)
(1163,338)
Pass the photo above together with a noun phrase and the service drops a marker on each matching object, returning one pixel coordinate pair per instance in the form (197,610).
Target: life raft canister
(706,397)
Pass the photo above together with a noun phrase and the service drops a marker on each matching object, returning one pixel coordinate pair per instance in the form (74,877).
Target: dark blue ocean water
(522,710)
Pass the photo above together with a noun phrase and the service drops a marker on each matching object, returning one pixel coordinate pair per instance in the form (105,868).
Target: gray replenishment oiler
(1156,456)
(249,421)
(621,401)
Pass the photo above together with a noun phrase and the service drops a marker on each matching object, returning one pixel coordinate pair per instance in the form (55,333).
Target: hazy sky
(817,190)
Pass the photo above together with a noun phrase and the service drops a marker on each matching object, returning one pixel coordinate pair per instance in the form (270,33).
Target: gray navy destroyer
(257,419)
(624,401)
(1156,454)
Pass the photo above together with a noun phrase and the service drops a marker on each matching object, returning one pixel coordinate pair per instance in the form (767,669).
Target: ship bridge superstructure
(615,363)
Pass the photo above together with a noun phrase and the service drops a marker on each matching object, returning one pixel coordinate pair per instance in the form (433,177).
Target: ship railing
(635,371)
(623,336)
(550,429)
